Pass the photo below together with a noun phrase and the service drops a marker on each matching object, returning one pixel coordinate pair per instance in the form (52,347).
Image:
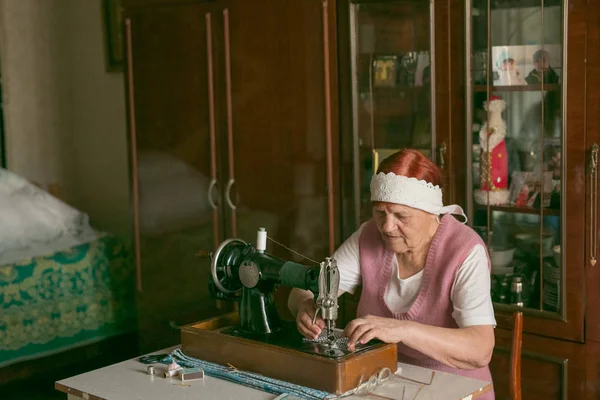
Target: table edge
(487,388)
(76,392)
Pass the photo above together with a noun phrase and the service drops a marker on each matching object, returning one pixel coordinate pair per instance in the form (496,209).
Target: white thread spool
(172,372)
(261,240)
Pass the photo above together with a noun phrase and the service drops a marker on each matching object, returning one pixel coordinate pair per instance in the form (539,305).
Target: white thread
(293,251)
(172,372)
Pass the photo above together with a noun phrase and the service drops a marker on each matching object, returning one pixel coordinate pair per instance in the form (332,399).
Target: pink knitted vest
(450,246)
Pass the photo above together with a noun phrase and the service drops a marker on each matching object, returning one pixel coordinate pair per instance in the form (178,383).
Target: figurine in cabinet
(494,156)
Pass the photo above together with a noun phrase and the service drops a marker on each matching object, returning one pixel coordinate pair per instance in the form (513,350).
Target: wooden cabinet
(560,353)
(435,58)
(532,218)
(232,105)
(554,117)
(173,162)
(559,349)
(234,125)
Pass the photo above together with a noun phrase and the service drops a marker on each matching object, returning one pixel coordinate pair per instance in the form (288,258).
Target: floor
(40,385)
(36,388)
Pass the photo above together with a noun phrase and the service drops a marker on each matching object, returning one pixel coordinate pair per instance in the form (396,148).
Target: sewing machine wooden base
(205,340)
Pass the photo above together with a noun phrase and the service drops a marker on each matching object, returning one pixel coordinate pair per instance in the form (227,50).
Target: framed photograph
(385,71)
(423,69)
(113,34)
(526,65)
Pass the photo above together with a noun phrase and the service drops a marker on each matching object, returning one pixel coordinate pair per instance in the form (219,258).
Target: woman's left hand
(361,330)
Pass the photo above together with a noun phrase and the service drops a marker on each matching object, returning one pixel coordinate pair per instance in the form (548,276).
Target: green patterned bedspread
(68,299)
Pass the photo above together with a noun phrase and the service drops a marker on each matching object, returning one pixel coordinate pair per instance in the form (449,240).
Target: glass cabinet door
(392,73)
(516,144)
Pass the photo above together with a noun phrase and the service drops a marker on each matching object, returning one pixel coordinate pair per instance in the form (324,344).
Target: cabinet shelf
(520,88)
(395,91)
(508,309)
(518,210)
(504,4)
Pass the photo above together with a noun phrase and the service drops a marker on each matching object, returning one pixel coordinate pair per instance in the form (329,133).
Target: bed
(62,284)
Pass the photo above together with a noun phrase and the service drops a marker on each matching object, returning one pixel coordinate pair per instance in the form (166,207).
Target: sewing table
(128,380)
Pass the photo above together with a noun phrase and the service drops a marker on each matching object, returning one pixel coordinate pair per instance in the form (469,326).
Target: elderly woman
(425,276)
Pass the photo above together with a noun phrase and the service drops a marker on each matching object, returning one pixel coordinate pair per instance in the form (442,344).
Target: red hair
(413,164)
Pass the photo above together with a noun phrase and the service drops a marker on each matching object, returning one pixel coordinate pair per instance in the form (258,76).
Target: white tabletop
(128,380)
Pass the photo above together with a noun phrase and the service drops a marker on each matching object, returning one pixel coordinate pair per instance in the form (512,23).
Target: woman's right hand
(304,320)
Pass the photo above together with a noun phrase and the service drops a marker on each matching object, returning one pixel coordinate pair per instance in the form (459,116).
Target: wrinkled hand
(362,330)
(304,320)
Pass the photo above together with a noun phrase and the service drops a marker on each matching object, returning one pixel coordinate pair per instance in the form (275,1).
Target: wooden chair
(514,379)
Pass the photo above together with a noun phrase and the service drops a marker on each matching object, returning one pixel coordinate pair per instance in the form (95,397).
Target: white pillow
(157,166)
(173,195)
(30,216)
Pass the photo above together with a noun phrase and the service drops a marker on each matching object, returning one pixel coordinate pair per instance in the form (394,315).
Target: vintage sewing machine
(247,273)
(255,339)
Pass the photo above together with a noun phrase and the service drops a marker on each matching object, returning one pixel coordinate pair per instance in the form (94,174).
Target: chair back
(515,356)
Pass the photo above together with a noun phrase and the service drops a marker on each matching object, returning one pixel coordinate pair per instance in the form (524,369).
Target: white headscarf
(412,192)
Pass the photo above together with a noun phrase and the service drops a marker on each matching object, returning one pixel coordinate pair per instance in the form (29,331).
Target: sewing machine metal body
(238,267)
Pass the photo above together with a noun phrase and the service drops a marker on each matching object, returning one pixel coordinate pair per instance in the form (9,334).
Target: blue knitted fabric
(246,378)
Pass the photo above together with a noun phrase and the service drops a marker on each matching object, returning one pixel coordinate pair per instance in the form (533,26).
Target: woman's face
(404,228)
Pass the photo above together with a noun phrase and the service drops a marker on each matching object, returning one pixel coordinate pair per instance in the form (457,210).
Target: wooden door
(275,119)
(592,371)
(593,133)
(398,89)
(174,158)
(278,117)
(550,368)
(534,227)
(414,105)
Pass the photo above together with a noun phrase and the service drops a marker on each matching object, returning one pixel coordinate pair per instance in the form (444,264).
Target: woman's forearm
(464,348)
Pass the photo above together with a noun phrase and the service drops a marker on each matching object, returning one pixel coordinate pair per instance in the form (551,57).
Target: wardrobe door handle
(134,158)
(442,155)
(593,202)
(229,121)
(212,185)
(228,194)
(328,135)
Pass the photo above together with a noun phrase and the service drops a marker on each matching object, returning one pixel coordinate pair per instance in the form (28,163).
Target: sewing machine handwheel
(226,255)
